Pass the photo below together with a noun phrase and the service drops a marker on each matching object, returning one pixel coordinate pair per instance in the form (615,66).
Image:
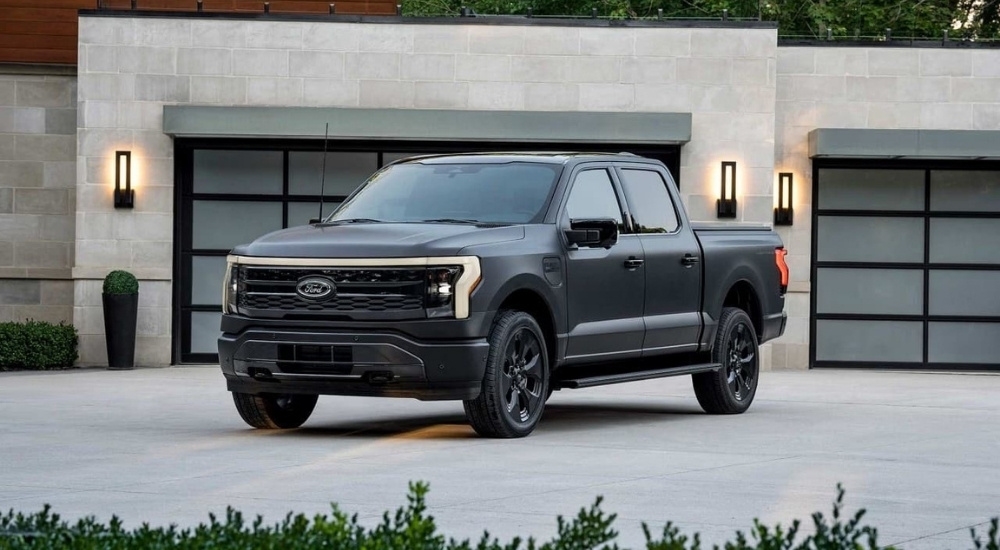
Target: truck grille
(383,293)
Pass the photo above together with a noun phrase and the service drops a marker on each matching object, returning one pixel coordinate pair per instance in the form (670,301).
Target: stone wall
(130,67)
(37,192)
(879,87)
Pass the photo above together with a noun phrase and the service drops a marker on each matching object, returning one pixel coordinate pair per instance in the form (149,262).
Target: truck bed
(739,251)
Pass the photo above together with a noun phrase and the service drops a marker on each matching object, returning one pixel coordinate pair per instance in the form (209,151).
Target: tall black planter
(120,312)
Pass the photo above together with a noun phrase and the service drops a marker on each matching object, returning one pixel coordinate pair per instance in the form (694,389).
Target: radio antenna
(322,180)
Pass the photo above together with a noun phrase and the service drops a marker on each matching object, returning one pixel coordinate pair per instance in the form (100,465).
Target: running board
(605,379)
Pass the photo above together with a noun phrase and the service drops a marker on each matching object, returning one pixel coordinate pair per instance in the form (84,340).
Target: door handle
(633,263)
(689,260)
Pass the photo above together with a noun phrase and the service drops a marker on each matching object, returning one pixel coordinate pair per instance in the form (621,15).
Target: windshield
(462,193)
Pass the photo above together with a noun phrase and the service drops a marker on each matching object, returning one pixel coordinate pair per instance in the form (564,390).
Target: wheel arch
(534,303)
(743,295)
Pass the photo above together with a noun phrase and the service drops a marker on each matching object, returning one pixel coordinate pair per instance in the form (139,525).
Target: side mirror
(601,232)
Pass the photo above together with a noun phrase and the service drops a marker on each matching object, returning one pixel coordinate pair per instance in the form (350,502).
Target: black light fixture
(726,205)
(124,198)
(783,213)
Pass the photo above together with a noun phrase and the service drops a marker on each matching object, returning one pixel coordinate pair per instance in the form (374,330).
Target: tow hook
(376,378)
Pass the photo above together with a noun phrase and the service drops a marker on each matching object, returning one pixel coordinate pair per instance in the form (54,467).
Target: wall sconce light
(726,205)
(783,213)
(124,198)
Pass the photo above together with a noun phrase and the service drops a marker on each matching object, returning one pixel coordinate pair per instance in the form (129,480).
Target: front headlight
(230,287)
(439,297)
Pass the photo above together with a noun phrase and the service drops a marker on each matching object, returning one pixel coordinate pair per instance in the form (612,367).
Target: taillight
(779,262)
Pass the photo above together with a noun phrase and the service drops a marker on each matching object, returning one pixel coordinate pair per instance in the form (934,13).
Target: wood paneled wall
(44,31)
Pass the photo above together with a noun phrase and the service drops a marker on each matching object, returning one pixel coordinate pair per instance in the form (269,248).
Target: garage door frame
(184,197)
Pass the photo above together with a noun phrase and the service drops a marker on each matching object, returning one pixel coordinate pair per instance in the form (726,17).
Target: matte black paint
(601,307)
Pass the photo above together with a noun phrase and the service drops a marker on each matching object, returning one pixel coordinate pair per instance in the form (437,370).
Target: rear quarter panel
(733,254)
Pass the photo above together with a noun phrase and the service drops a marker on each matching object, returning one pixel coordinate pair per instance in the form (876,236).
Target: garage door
(232,191)
(906,265)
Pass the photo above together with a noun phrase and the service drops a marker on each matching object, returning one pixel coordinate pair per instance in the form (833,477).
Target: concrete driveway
(920,451)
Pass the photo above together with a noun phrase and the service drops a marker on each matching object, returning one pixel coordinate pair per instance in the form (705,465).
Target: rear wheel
(274,411)
(731,389)
(515,384)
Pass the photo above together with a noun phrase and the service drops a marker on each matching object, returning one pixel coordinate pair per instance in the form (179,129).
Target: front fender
(538,286)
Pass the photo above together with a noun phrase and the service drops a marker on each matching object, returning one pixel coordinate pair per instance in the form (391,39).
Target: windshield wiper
(452,220)
(352,220)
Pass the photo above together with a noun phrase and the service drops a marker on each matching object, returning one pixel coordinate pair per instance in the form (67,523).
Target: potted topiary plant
(121,307)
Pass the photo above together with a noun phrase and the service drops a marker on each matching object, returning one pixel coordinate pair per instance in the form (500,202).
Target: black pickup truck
(496,279)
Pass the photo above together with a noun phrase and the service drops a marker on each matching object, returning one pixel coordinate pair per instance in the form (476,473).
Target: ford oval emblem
(315,288)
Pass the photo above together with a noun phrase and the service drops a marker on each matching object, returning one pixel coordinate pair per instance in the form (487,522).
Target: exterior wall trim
(500,20)
(908,144)
(427,124)
(917,43)
(42,69)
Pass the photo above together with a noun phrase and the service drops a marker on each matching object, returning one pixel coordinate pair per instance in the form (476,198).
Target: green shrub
(37,345)
(121,282)
(412,528)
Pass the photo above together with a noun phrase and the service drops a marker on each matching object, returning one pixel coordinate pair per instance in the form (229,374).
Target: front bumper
(341,361)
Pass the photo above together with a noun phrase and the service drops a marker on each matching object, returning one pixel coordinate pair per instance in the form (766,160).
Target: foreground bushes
(412,528)
(37,345)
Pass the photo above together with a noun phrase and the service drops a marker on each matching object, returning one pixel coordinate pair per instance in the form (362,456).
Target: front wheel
(274,411)
(515,384)
(731,389)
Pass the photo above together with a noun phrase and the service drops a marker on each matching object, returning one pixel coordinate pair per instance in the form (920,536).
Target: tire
(731,389)
(516,381)
(274,411)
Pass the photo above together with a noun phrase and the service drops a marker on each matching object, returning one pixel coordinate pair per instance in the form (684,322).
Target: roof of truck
(547,157)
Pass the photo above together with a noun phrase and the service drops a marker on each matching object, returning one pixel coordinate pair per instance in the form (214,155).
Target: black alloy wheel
(521,383)
(515,381)
(741,365)
(731,388)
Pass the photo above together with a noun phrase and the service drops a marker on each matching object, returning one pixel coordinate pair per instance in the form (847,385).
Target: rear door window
(649,201)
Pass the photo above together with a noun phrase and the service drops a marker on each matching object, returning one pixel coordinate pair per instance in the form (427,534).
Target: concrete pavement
(918,450)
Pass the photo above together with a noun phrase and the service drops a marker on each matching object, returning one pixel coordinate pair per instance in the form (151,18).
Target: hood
(376,240)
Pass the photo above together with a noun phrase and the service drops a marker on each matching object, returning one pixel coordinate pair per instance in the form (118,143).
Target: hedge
(412,528)
(37,345)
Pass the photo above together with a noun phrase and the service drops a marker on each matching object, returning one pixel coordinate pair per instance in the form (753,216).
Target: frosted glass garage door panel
(238,172)
(968,241)
(882,341)
(870,291)
(863,239)
(299,213)
(965,292)
(965,191)
(205,331)
(871,189)
(206,279)
(344,172)
(221,225)
(975,343)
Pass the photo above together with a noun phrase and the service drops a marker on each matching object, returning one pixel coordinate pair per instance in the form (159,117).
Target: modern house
(885,155)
